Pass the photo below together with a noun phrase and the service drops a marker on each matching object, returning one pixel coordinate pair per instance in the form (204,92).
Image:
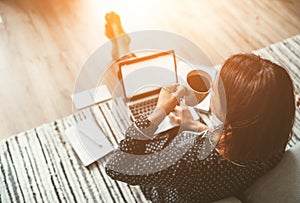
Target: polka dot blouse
(181,168)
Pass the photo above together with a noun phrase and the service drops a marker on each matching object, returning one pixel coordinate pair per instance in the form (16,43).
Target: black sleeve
(140,138)
(149,162)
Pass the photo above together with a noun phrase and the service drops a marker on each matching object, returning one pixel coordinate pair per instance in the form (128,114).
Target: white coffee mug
(199,84)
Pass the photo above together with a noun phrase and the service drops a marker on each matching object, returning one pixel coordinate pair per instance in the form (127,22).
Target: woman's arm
(144,159)
(142,131)
(150,162)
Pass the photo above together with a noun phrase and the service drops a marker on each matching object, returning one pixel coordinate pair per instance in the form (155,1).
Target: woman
(199,165)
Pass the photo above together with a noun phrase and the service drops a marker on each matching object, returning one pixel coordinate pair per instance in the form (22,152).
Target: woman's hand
(183,116)
(169,97)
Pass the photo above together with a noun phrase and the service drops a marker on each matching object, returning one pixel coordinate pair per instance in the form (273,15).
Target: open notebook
(88,141)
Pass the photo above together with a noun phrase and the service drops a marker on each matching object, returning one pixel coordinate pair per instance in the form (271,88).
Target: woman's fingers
(176,115)
(175,118)
(178,111)
(173,87)
(176,90)
(180,91)
(186,111)
(169,97)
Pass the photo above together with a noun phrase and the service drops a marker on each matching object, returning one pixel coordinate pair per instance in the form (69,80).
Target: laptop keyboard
(143,108)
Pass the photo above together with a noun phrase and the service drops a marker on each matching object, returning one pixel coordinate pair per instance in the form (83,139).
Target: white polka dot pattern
(195,177)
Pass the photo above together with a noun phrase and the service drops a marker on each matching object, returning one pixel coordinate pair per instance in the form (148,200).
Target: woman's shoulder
(204,151)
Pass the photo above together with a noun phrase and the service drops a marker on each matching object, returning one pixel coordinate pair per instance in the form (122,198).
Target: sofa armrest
(281,184)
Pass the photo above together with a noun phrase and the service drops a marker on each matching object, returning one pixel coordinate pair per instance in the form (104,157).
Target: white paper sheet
(91,96)
(88,141)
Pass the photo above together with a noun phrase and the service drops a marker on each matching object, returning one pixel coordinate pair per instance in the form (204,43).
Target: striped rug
(39,165)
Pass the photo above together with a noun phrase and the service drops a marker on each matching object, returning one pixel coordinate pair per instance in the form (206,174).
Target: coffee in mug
(199,84)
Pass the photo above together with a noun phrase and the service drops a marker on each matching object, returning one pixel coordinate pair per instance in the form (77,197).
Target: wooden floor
(44,43)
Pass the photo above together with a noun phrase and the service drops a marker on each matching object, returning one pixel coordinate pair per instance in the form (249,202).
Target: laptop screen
(146,75)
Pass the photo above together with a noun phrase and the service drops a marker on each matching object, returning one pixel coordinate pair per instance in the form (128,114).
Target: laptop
(142,78)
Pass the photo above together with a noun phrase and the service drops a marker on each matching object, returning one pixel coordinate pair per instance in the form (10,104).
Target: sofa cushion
(281,184)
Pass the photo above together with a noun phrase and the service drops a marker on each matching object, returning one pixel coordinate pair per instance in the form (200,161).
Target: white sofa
(281,184)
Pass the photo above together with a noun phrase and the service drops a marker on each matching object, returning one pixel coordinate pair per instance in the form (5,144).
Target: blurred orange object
(297,98)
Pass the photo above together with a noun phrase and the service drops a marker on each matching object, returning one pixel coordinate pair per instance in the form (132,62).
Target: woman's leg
(115,32)
(120,51)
